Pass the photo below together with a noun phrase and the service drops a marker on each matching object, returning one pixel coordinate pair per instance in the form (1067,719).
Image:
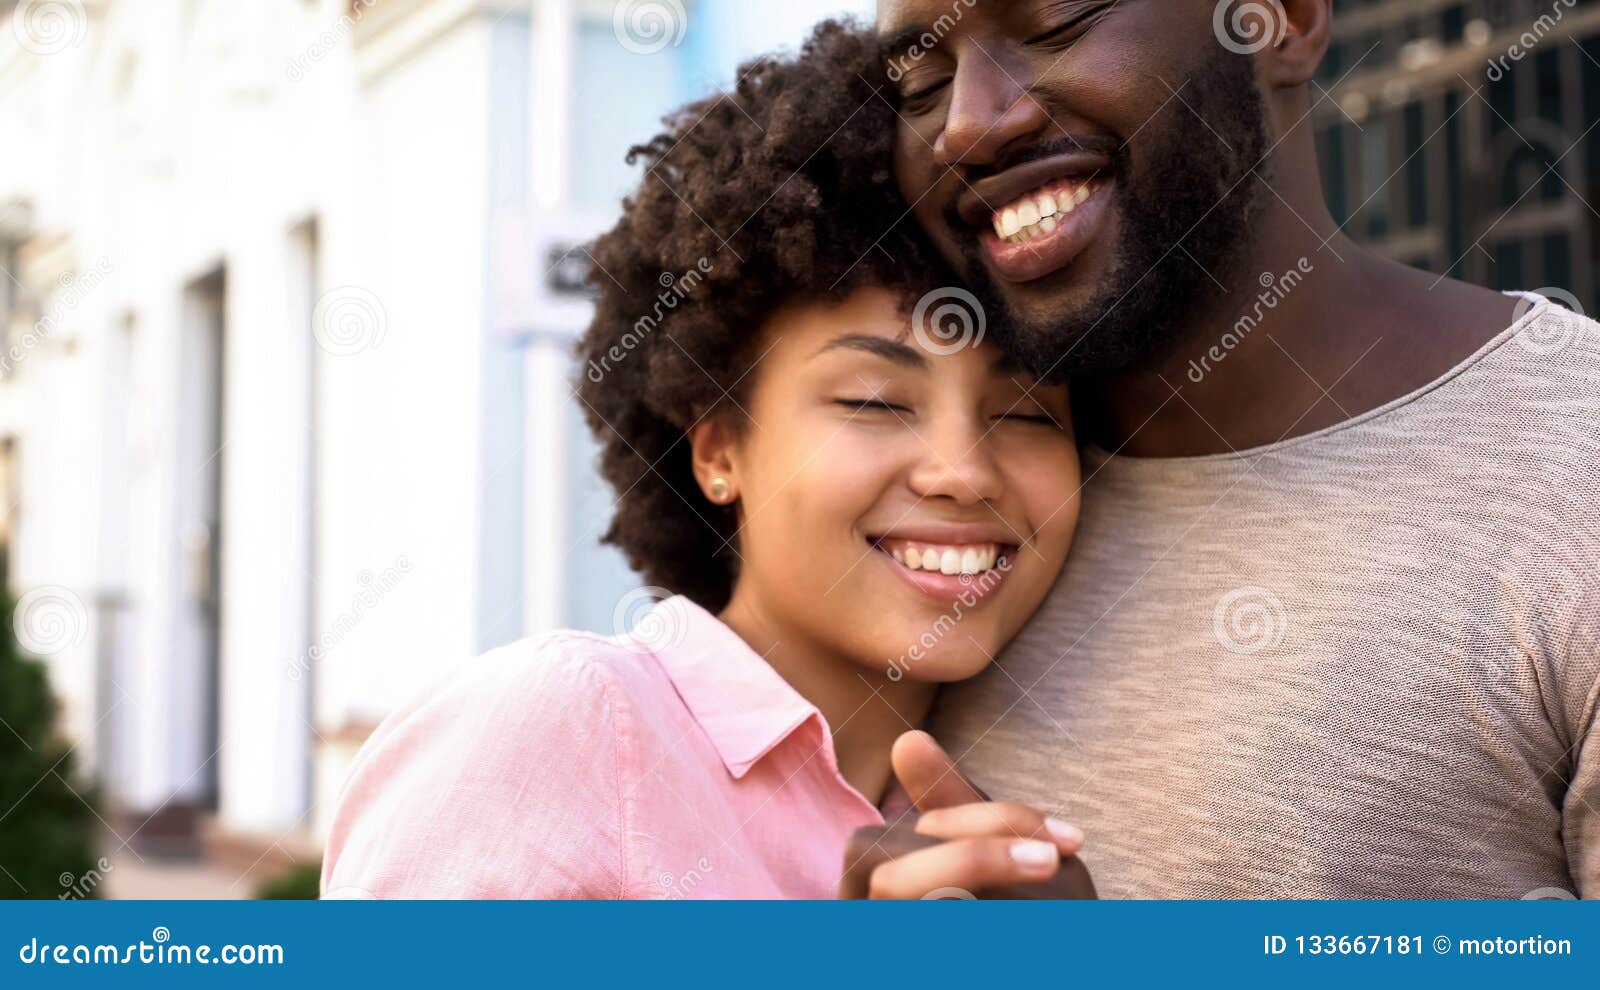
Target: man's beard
(1186,220)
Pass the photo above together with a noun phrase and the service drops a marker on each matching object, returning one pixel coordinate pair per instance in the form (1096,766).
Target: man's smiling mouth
(1035,218)
(1041,211)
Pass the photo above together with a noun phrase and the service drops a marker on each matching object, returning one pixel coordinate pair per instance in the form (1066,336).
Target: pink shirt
(573,765)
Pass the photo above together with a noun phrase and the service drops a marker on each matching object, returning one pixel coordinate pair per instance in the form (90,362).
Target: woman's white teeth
(948,560)
(1037,214)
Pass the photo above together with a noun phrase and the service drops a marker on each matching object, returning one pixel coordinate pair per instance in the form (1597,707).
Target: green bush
(298,884)
(48,829)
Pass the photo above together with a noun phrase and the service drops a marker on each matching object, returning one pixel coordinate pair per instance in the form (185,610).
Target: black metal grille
(1459,136)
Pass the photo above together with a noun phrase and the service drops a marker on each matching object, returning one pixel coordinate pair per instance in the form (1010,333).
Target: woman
(850,498)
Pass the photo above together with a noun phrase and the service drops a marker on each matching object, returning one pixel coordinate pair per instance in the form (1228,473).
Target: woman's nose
(960,467)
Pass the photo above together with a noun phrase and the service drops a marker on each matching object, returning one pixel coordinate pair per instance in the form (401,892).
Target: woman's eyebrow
(890,350)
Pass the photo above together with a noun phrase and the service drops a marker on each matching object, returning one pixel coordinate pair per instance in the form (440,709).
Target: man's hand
(962,843)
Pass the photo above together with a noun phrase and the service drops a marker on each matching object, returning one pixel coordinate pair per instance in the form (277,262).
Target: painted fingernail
(1065,833)
(1033,853)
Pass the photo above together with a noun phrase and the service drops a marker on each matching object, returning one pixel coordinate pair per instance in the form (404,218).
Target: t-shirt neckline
(1101,457)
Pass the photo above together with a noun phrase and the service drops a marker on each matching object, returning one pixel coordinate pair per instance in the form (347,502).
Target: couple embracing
(1035,466)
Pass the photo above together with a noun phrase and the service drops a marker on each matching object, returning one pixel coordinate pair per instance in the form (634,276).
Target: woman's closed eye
(1024,416)
(872,404)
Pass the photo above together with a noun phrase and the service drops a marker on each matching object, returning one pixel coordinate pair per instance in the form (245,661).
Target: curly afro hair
(779,190)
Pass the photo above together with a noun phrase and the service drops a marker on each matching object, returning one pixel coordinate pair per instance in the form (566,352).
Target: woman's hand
(985,844)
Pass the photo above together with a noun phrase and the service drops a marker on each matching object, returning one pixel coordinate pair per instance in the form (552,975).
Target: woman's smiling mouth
(947,568)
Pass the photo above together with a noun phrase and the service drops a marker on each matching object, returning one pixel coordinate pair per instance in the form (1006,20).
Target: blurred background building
(288,293)
(286,423)
(1459,136)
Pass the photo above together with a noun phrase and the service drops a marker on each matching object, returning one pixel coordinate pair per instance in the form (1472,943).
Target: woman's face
(901,506)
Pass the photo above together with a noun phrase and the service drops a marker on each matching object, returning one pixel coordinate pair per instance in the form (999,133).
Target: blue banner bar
(1065,944)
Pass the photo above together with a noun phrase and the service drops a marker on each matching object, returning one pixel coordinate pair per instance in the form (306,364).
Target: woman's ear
(714,446)
(1299,31)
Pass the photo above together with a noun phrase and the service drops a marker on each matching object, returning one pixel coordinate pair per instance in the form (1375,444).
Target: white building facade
(286,425)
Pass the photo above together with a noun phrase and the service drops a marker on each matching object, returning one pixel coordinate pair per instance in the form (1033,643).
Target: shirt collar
(744,706)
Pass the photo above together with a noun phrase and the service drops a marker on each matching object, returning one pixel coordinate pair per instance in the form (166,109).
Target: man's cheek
(910,170)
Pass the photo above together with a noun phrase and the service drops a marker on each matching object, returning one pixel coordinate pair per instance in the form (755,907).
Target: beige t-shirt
(1358,663)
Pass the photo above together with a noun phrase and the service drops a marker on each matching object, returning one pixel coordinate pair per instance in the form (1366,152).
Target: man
(1332,624)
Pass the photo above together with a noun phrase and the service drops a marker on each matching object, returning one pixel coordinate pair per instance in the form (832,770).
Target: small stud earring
(719,489)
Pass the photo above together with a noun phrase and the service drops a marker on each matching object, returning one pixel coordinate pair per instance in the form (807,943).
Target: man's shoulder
(1538,383)
(1552,329)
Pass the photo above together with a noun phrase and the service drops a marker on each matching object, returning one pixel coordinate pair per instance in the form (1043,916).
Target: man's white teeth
(1006,223)
(1037,214)
(948,560)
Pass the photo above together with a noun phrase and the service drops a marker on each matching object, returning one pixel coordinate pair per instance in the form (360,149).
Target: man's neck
(1314,336)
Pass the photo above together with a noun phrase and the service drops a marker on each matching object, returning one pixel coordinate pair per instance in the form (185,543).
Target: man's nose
(989,111)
